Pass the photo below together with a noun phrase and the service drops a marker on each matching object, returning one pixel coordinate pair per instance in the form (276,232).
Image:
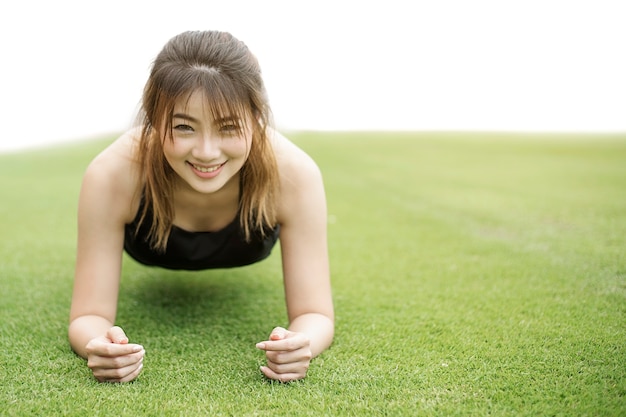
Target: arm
(303,238)
(101,218)
(306,268)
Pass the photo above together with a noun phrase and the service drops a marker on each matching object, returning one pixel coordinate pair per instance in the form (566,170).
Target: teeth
(205,170)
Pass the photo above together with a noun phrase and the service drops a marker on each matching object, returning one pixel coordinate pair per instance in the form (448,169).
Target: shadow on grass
(201,323)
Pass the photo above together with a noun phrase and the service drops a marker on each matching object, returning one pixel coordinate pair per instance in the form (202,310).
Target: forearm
(319,328)
(85,328)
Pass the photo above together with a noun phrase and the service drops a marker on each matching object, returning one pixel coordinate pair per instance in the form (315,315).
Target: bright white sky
(75,69)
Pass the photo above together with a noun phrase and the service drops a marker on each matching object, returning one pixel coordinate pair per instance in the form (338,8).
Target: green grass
(473,275)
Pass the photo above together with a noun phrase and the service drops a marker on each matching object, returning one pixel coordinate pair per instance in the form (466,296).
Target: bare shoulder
(302,188)
(294,164)
(111,177)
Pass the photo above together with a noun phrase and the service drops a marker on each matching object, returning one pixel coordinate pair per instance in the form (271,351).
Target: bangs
(224,99)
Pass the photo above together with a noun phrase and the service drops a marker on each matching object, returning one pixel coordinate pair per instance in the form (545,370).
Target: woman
(203,183)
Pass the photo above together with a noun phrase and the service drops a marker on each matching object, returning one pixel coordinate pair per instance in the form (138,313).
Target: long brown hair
(230,77)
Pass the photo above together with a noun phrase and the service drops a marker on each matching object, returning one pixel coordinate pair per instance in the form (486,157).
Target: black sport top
(226,248)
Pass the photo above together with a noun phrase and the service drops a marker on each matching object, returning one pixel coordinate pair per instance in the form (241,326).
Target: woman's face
(206,153)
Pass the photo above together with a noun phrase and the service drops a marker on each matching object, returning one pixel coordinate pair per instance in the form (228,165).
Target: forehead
(202,106)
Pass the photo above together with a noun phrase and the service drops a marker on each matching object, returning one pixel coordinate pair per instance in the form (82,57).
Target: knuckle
(117,362)
(117,374)
(291,345)
(108,350)
(100,377)
(91,348)
(281,369)
(274,367)
(273,356)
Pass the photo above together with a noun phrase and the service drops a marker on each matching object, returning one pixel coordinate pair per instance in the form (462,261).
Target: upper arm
(303,238)
(103,209)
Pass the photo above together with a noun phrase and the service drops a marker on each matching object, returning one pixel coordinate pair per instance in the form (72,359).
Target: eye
(231,128)
(183,128)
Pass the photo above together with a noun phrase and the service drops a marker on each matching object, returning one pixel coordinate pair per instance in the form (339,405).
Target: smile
(207,170)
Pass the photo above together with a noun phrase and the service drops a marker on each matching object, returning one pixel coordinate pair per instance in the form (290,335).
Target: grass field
(473,275)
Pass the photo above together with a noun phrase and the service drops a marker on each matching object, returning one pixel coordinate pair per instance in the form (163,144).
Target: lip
(214,170)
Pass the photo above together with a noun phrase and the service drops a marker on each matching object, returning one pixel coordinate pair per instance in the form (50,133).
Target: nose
(207,148)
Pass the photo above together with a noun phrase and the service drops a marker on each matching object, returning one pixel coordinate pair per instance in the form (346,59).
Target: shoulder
(112,176)
(301,182)
(294,164)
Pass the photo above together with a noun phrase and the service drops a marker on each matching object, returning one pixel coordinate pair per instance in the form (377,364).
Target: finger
(288,377)
(295,356)
(110,350)
(289,367)
(278,333)
(295,342)
(117,335)
(114,362)
(124,374)
(133,375)
(114,350)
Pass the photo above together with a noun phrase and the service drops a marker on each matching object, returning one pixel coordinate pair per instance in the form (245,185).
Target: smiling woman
(204,182)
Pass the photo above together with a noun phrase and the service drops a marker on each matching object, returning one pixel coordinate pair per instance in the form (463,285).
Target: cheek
(174,155)
(168,151)
(172,149)
(238,148)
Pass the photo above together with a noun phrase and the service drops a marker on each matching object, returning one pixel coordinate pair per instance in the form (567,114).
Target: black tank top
(226,248)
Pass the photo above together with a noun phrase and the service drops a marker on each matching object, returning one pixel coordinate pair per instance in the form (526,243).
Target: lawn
(473,274)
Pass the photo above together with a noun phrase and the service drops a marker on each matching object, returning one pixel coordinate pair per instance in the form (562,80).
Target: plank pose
(204,182)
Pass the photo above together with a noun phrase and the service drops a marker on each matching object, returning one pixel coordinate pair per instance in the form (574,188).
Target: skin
(203,202)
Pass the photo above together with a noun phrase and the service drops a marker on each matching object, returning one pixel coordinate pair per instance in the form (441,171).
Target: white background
(75,69)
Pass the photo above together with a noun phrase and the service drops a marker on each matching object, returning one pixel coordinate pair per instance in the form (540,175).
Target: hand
(112,359)
(288,355)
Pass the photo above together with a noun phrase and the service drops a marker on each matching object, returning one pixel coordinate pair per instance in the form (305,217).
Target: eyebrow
(194,120)
(185,117)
